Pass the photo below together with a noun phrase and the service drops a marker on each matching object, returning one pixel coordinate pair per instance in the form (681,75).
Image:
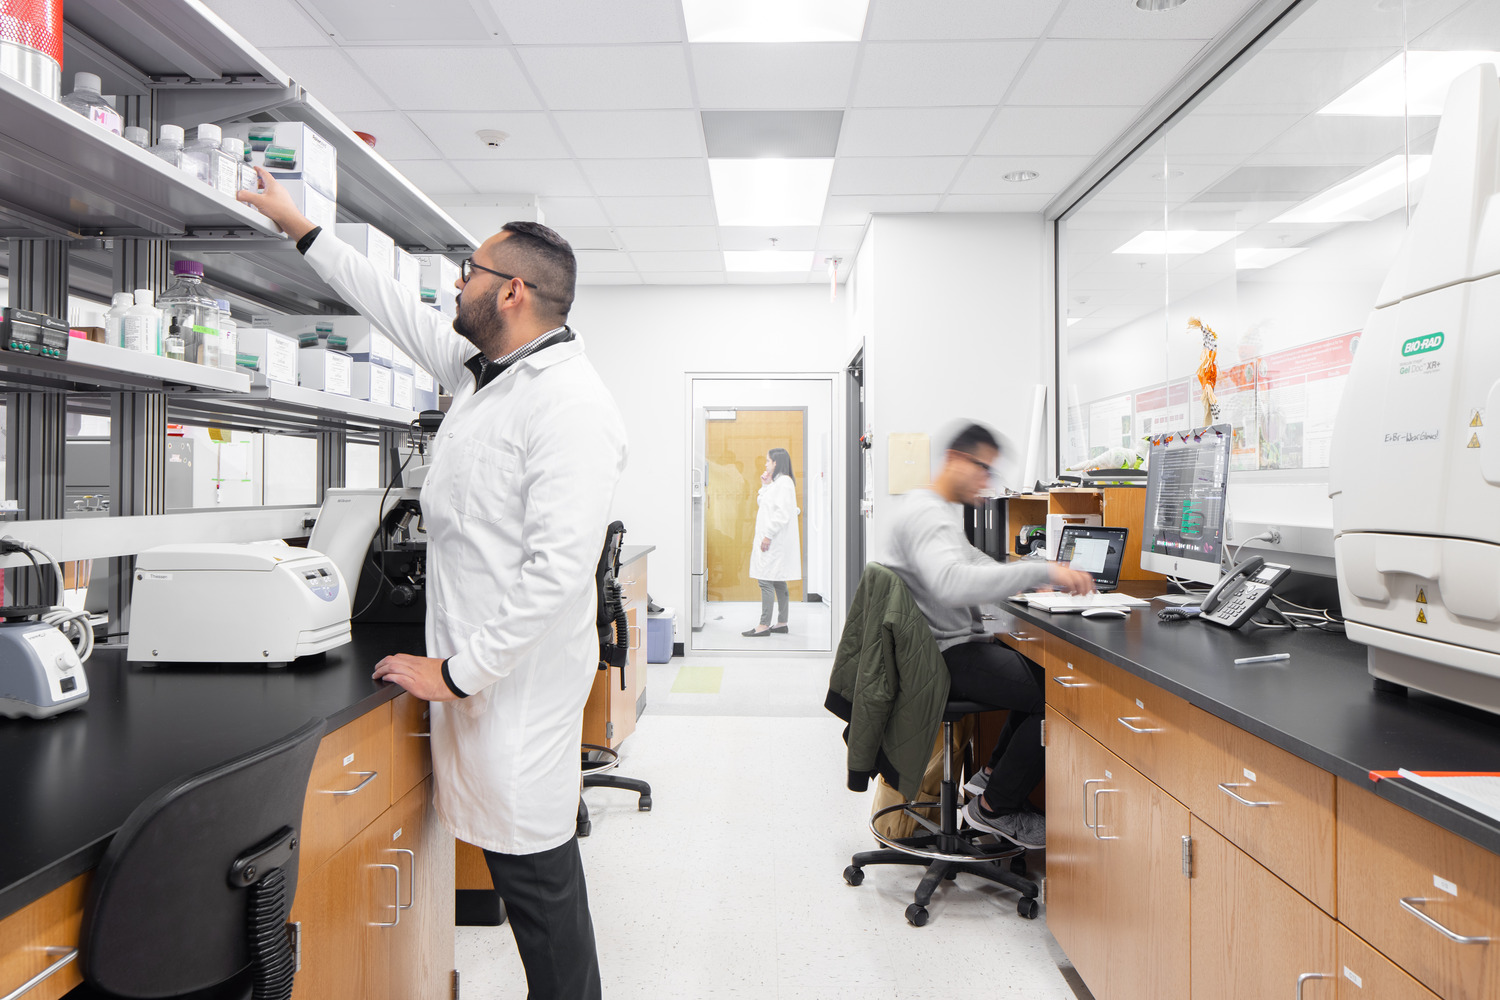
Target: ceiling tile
(603,260)
(482,217)
(855,210)
(985,174)
(476,79)
(994,203)
(401,20)
(270,22)
(733,134)
(844,238)
(1349,135)
(330,77)
(1054,131)
(433,177)
(759,238)
(589,237)
(531,134)
(778,278)
(398,138)
(681,177)
(590,22)
(893,174)
(609,278)
(680,260)
(1292,80)
(900,19)
(650,239)
(605,135)
(912,132)
(573,212)
(685,278)
(1360,22)
(538,177)
(618,77)
(1080,72)
(1229,135)
(660,211)
(937,74)
(812,75)
(1116,20)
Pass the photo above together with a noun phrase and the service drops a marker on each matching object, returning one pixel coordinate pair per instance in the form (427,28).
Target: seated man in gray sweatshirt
(949,578)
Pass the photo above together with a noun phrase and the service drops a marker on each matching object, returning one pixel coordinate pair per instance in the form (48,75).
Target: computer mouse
(1107,613)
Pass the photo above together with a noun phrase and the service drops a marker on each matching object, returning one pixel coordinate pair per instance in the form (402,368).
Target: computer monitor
(1186,482)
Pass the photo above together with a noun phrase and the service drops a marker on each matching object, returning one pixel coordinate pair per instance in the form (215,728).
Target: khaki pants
(899,824)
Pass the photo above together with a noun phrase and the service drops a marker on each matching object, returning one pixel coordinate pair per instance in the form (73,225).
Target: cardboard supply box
(272,354)
(325,370)
(424,391)
(438,277)
(372,382)
(318,207)
(374,245)
(401,361)
(401,390)
(291,151)
(408,271)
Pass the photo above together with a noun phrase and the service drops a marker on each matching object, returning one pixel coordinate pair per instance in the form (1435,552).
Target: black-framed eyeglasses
(468,267)
(989,470)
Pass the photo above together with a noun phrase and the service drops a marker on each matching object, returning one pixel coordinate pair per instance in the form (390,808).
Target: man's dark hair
(546,260)
(972,438)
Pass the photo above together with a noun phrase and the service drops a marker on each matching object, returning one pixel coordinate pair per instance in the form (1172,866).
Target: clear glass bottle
(89,102)
(174,346)
(141,330)
(170,146)
(194,312)
(229,337)
(137,136)
(114,319)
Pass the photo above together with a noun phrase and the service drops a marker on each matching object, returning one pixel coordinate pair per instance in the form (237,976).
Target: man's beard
(480,323)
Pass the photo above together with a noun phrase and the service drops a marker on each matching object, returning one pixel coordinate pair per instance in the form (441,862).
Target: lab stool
(945,850)
(597,762)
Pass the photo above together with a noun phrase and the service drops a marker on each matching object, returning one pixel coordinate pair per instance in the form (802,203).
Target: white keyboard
(1059,602)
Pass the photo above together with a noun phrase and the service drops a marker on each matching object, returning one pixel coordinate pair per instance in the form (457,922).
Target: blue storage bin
(659,630)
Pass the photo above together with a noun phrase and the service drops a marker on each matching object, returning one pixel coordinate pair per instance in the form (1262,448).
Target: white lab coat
(776,519)
(516,502)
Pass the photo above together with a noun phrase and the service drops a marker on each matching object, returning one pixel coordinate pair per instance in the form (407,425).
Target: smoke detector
(492,137)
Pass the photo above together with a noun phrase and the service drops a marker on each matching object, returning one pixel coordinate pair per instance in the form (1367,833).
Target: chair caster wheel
(951,876)
(1018,865)
(853,875)
(1028,908)
(916,915)
(584,829)
(645,804)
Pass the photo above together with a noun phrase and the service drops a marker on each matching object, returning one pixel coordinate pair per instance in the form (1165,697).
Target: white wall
(957,310)
(645,340)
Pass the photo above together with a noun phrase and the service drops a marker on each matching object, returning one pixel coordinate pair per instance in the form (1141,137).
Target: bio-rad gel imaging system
(1415,467)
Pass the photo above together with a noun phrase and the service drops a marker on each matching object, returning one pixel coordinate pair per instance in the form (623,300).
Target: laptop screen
(1097,551)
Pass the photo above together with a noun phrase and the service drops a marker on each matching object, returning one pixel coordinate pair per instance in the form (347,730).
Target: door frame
(836,600)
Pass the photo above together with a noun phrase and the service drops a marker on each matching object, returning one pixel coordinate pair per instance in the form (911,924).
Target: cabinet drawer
(633,583)
(1028,640)
(411,744)
(1419,894)
(349,787)
(1366,974)
(1273,805)
(1073,685)
(1148,728)
(36,936)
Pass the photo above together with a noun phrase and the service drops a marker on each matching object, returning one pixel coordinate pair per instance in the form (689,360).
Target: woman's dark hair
(783,462)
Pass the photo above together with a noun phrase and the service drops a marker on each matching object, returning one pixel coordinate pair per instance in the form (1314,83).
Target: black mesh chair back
(196,872)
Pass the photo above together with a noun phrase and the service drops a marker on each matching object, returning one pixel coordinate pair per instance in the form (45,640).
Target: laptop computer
(1098,551)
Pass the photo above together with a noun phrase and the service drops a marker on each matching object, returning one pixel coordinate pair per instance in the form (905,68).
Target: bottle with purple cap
(188,305)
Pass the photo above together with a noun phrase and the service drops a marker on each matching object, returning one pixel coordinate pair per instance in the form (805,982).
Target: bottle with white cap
(137,136)
(142,327)
(114,319)
(223,169)
(89,102)
(200,156)
(170,146)
(245,179)
(229,337)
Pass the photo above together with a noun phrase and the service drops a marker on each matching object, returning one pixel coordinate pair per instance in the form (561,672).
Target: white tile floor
(809,627)
(732,886)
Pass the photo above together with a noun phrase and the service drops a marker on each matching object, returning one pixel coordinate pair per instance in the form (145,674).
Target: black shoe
(755,635)
(780,628)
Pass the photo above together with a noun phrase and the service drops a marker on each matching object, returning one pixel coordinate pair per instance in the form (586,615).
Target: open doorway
(740,574)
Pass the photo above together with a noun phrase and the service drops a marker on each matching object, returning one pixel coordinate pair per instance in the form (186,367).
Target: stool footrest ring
(1000,853)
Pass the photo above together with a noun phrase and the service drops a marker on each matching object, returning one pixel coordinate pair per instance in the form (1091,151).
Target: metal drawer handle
(1022,637)
(1409,904)
(1310,975)
(1063,681)
(1086,824)
(1125,721)
(397,907)
(68,955)
(369,777)
(1097,822)
(411,883)
(635,631)
(420,736)
(1227,787)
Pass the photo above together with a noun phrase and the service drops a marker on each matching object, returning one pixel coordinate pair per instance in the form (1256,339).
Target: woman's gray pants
(778,589)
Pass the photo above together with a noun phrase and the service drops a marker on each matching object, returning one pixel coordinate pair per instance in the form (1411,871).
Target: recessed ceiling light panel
(1156,6)
(1367,195)
(769,261)
(1184,241)
(770,192)
(774,20)
(1020,176)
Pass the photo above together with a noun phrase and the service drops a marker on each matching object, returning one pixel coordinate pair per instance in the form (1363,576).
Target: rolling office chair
(191,898)
(945,850)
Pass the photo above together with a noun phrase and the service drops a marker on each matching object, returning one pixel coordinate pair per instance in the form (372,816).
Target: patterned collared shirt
(486,371)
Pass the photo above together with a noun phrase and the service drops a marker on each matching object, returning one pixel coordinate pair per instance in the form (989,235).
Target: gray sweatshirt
(946,575)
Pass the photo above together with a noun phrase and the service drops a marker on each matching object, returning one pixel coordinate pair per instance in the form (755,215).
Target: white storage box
(325,370)
(291,151)
(274,354)
(408,271)
(438,277)
(401,361)
(372,382)
(318,207)
(374,245)
(424,391)
(401,390)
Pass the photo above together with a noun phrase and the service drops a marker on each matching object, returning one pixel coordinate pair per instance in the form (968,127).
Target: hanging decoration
(1208,369)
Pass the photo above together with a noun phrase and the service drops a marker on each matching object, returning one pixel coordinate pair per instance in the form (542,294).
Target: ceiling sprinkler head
(492,137)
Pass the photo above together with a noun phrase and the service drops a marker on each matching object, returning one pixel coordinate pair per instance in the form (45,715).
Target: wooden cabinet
(1076,876)
(1366,974)
(1073,683)
(614,706)
(37,935)
(350,785)
(411,743)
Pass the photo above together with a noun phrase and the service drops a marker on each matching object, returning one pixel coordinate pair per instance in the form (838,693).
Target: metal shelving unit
(92,367)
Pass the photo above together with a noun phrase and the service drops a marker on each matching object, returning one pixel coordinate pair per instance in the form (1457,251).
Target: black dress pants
(547,906)
(995,674)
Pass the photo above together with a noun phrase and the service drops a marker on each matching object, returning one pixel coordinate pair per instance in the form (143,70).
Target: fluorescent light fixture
(1254,258)
(1157,241)
(770,192)
(769,261)
(1415,83)
(1367,195)
(775,20)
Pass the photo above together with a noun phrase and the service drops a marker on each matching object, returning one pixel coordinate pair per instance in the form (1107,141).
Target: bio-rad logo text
(1418,346)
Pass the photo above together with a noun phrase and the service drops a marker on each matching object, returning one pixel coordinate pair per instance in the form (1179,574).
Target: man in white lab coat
(516,503)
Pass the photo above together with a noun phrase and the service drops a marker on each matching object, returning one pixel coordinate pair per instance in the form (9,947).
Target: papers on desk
(1478,791)
(1059,603)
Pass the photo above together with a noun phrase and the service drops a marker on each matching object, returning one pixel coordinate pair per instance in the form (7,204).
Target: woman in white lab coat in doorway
(776,553)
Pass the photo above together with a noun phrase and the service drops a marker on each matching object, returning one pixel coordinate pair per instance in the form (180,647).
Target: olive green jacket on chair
(889,683)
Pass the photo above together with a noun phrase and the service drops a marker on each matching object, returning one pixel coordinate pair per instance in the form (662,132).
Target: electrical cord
(370,555)
(74,625)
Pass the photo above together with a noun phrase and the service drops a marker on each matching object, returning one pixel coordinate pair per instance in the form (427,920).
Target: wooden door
(342,954)
(735,453)
(1076,876)
(1253,936)
(421,952)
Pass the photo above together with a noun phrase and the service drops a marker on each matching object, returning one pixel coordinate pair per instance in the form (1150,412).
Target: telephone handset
(1241,594)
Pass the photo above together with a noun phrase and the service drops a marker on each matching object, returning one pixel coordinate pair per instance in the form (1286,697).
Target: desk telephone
(1240,595)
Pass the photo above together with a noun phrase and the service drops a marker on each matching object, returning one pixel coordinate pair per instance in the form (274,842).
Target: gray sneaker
(1024,829)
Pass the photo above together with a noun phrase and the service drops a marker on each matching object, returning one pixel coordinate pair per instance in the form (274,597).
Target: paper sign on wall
(909,462)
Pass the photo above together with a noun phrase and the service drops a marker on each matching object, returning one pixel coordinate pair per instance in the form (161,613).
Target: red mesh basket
(36,24)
